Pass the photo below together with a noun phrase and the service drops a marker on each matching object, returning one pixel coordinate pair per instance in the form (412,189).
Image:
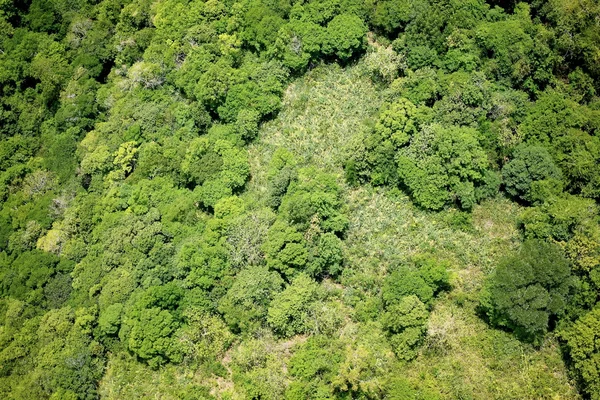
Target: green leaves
(529,289)
(149,326)
(244,307)
(406,321)
(315,199)
(290,311)
(314,366)
(437,164)
(404,282)
(582,341)
(285,249)
(530,165)
(407,294)
(126,191)
(397,122)
(345,36)
(299,42)
(109,320)
(219,169)
(151,336)
(305,237)
(442,164)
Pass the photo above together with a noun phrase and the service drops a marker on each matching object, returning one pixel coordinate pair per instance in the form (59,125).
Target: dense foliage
(529,290)
(181,218)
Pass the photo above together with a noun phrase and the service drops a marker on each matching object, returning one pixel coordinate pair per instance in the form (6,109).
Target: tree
(367,359)
(314,201)
(245,305)
(204,337)
(406,322)
(289,312)
(109,320)
(327,257)
(529,290)
(434,272)
(520,50)
(345,36)
(575,31)
(582,340)
(149,326)
(201,162)
(285,249)
(28,274)
(530,165)
(441,165)
(151,336)
(559,218)
(578,155)
(314,366)
(299,42)
(375,159)
(404,282)
(392,15)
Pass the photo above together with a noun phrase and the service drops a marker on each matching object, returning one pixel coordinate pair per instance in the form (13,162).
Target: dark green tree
(529,290)
(529,166)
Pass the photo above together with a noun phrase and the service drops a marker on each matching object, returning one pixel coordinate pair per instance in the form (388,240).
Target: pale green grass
(321,113)
(388,230)
(464,359)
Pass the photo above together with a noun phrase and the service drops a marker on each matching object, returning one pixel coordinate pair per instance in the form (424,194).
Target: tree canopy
(328,199)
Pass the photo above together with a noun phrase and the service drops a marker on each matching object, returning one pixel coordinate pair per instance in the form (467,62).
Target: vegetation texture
(317,199)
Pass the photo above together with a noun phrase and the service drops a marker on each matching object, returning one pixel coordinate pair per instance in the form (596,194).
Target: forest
(299,199)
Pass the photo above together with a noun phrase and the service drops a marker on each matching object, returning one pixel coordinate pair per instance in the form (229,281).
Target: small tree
(441,165)
(244,306)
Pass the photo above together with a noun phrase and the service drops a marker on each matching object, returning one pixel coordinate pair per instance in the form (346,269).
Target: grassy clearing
(462,358)
(386,229)
(321,112)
